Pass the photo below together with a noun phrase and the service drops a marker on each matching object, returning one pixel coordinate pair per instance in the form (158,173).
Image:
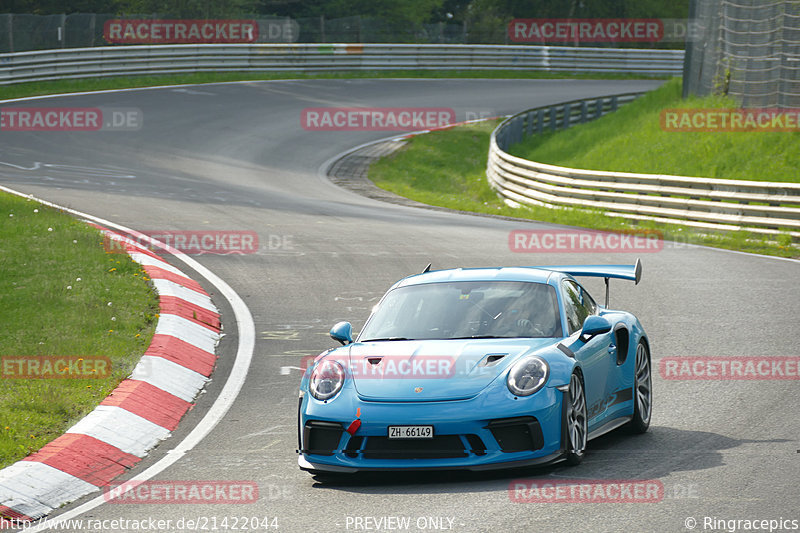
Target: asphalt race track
(235,157)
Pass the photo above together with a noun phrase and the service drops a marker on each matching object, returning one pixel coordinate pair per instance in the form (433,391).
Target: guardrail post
(516,136)
(598,108)
(613,104)
(584,111)
(539,121)
(567,116)
(529,117)
(500,139)
(553,118)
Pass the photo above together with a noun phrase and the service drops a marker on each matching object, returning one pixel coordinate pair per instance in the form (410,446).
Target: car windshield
(464,310)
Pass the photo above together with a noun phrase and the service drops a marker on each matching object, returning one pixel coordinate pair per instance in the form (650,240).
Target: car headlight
(527,376)
(326,380)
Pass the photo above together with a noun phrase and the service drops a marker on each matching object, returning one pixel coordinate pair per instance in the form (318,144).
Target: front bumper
(486,432)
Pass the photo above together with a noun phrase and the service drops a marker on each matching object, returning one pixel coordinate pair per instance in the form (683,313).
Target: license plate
(410,432)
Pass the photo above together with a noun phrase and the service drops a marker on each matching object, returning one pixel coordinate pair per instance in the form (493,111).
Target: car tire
(642,391)
(576,435)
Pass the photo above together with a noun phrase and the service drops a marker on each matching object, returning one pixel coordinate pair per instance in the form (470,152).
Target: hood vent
(492,359)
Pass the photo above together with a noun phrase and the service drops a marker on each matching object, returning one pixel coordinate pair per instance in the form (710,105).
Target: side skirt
(611,425)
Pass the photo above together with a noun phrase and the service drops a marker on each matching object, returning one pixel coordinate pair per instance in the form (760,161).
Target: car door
(597,355)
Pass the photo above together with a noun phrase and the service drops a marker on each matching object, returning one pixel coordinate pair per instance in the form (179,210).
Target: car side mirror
(343,332)
(595,325)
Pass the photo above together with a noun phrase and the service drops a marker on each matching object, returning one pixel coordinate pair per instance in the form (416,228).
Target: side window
(577,305)
(588,302)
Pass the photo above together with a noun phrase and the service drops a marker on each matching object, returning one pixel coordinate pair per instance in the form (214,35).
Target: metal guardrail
(715,204)
(186,58)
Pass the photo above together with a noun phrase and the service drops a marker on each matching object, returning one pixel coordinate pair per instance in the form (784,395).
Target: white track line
(244,355)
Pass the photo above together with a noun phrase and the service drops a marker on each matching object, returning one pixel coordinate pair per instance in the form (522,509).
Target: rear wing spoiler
(627,272)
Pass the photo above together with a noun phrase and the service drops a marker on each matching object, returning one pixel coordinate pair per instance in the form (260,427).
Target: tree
(189,9)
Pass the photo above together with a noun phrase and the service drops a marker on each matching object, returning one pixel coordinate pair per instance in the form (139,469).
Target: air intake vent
(492,359)
(321,438)
(439,447)
(517,434)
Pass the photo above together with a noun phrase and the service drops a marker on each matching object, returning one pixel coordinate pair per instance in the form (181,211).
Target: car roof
(529,274)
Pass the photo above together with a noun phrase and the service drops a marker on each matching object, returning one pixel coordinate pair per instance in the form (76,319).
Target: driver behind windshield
(531,314)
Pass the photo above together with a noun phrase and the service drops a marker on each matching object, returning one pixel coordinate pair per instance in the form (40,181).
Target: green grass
(122,82)
(448,168)
(61,294)
(631,140)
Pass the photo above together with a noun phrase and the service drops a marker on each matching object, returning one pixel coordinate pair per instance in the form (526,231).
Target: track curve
(234,157)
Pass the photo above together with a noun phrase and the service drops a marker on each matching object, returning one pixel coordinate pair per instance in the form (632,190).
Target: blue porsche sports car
(477,368)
